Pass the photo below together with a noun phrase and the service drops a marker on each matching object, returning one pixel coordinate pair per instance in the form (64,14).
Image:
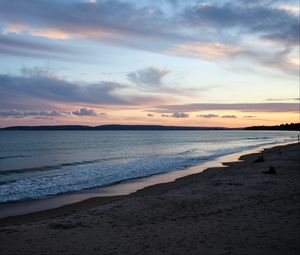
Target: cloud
(290,8)
(206,50)
(276,59)
(92,1)
(39,88)
(271,31)
(151,76)
(243,107)
(40,114)
(220,52)
(213,30)
(6,41)
(85,112)
(151,79)
(22,28)
(22,114)
(229,117)
(283,99)
(72,19)
(20,47)
(178,115)
(207,116)
(44,88)
(40,72)
(250,116)
(78,18)
(265,21)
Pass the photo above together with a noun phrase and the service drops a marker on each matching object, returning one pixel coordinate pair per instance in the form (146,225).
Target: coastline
(120,189)
(233,210)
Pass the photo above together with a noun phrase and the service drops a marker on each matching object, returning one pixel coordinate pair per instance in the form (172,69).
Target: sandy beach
(233,210)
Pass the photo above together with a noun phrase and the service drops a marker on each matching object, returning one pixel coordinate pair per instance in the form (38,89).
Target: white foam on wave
(79,177)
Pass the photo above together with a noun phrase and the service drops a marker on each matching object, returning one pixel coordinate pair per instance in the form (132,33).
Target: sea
(39,164)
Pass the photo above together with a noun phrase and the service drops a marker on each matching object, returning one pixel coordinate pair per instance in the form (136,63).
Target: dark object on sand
(272,170)
(279,152)
(259,159)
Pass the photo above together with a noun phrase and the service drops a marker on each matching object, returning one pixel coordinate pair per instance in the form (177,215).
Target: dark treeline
(291,126)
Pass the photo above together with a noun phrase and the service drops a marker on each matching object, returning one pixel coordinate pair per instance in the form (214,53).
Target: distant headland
(291,126)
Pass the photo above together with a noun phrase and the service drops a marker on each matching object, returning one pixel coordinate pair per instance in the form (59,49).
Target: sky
(229,63)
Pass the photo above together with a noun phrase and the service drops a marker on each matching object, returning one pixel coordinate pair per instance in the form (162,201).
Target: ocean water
(37,164)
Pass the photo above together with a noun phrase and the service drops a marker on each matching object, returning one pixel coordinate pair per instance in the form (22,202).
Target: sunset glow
(149,62)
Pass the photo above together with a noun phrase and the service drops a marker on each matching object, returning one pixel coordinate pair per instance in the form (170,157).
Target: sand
(232,210)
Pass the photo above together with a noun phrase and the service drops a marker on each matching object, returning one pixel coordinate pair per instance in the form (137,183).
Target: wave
(92,176)
(14,156)
(258,138)
(52,167)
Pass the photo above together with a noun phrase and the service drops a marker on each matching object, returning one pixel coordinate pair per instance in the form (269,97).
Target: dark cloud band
(17,90)
(247,107)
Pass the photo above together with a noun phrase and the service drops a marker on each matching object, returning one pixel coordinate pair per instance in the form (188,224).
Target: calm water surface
(36,164)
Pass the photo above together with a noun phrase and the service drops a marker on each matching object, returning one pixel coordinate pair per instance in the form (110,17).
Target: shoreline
(28,209)
(234,210)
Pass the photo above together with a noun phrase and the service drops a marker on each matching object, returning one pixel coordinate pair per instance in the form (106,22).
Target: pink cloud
(205,50)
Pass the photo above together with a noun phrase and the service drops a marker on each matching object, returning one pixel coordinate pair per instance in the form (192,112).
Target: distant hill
(291,126)
(153,127)
(111,127)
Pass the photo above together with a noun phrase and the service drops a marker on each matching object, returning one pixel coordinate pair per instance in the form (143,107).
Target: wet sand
(233,210)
